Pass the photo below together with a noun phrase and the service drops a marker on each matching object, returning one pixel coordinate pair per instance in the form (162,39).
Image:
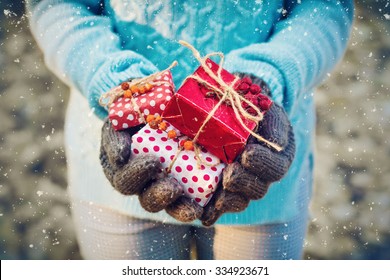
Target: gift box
(198,183)
(130,112)
(223,135)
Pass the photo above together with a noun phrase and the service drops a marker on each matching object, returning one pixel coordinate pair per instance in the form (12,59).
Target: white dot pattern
(198,183)
(124,114)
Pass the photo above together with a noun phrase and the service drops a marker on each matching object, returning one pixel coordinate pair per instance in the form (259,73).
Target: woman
(95,45)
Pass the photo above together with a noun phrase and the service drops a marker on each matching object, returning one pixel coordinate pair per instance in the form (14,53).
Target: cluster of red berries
(130,90)
(158,123)
(252,93)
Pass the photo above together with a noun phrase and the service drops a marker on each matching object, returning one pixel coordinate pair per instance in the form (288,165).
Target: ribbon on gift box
(111,96)
(226,94)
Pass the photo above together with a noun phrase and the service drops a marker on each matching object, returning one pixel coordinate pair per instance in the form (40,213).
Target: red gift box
(125,112)
(223,135)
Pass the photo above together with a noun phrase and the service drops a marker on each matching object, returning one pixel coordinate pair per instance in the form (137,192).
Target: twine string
(106,99)
(112,95)
(174,159)
(226,91)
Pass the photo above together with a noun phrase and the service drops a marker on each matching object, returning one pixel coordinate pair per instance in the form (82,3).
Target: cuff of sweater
(265,71)
(115,70)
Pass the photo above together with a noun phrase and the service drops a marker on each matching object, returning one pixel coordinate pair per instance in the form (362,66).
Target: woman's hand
(249,177)
(139,176)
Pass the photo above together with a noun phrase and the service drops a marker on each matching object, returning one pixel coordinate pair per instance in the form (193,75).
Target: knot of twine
(226,93)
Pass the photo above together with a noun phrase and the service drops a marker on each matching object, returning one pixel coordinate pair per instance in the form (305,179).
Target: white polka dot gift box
(131,110)
(198,183)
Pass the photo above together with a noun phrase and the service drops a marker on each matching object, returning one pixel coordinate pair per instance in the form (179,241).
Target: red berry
(246,80)
(252,98)
(244,105)
(141,89)
(134,89)
(125,86)
(128,94)
(243,87)
(148,86)
(265,104)
(153,124)
(263,96)
(150,118)
(188,145)
(162,125)
(172,134)
(251,111)
(255,89)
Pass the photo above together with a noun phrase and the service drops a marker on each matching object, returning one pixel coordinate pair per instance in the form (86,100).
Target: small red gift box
(223,135)
(130,112)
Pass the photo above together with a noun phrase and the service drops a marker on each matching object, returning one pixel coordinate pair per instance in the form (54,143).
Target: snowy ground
(351,204)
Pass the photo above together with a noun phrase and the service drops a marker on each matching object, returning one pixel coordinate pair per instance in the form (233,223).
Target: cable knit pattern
(291,45)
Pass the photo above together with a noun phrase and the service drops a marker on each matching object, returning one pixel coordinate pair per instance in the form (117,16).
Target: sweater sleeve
(305,45)
(81,48)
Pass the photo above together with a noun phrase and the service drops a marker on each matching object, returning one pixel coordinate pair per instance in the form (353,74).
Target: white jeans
(107,234)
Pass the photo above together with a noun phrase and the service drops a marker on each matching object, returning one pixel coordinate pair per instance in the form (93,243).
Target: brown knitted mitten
(250,176)
(138,176)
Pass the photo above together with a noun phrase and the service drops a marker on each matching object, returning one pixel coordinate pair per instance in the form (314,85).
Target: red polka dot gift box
(132,107)
(199,180)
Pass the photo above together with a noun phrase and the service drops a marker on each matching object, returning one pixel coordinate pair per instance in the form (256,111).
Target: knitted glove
(139,176)
(258,166)
(246,179)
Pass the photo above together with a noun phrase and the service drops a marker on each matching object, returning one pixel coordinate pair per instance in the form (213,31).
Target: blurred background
(350,210)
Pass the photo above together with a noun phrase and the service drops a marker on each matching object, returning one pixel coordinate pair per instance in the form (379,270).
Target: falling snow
(350,211)
(9,13)
(35,217)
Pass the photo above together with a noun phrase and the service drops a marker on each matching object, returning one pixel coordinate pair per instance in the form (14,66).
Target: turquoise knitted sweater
(292,45)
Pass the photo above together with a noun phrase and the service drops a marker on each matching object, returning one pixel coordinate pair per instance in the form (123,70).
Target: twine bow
(226,92)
